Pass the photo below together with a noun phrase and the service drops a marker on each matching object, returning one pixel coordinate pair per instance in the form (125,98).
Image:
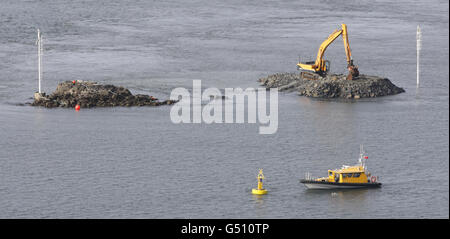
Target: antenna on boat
(361,155)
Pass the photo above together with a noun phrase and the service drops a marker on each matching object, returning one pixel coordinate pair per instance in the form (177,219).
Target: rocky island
(89,94)
(331,85)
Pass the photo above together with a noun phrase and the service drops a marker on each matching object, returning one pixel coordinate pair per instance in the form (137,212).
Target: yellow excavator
(322,66)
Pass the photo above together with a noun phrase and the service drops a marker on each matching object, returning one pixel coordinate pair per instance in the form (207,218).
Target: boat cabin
(348,174)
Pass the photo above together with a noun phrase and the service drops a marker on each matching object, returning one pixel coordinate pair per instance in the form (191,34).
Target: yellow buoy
(260,190)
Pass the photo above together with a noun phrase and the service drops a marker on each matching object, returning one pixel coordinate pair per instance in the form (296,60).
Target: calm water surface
(135,163)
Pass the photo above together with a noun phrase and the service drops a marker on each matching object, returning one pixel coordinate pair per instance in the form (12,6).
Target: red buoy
(366,157)
(77,107)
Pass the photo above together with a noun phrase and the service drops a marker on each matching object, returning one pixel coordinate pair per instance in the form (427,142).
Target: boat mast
(361,155)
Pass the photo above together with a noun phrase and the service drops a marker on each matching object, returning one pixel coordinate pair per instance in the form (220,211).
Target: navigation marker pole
(40,49)
(419,47)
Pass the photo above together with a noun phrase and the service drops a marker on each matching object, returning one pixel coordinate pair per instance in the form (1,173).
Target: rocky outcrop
(331,86)
(91,94)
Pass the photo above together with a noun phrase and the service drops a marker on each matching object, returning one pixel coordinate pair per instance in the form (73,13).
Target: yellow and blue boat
(356,176)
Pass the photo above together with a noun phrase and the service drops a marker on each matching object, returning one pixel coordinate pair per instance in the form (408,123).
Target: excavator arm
(348,52)
(352,69)
(320,66)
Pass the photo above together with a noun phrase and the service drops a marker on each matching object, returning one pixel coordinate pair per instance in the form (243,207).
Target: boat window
(330,173)
(356,175)
(344,175)
(336,177)
(349,175)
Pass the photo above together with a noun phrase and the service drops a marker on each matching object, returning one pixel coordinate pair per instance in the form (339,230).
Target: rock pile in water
(91,94)
(332,85)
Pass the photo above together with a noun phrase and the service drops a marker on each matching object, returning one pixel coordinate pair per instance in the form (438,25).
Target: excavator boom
(320,65)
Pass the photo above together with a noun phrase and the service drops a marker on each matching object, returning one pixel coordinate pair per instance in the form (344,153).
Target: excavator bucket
(353,72)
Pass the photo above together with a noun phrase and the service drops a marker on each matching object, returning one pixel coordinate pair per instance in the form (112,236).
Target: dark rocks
(331,86)
(90,94)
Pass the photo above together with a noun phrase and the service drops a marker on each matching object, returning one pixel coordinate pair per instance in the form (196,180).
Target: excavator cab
(325,68)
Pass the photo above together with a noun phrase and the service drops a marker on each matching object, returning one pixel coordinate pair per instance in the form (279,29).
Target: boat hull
(311,184)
